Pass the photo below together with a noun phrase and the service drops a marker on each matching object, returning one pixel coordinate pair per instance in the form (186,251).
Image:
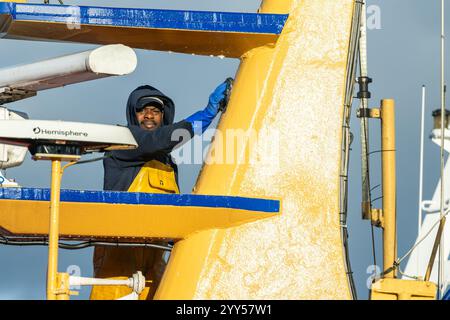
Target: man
(149,168)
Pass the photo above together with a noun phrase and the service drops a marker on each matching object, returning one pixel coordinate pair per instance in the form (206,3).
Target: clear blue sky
(403,55)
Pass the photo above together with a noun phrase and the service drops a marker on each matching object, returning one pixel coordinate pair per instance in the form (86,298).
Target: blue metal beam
(198,32)
(114,197)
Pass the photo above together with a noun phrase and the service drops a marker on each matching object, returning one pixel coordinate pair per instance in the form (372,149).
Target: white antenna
(25,80)
(422,137)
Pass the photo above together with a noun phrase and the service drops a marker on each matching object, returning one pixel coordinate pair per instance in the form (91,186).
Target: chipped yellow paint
(292,96)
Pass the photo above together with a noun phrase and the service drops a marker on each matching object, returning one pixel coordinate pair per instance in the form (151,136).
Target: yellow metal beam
(113,221)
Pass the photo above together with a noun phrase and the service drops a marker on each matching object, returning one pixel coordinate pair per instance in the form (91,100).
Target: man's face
(150,117)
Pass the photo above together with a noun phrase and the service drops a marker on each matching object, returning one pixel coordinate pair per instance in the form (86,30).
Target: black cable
(377,199)
(40,241)
(373,246)
(380,151)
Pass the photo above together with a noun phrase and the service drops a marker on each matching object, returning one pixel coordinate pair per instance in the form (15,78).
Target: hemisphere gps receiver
(60,138)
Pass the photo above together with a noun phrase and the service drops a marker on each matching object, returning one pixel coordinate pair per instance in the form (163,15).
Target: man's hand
(217,100)
(219,97)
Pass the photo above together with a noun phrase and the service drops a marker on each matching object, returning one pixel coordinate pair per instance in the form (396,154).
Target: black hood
(122,166)
(149,91)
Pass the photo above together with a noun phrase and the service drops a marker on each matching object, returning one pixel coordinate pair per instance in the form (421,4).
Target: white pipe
(422,137)
(110,60)
(81,281)
(136,283)
(363,42)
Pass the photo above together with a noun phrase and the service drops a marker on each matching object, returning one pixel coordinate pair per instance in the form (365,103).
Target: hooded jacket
(122,167)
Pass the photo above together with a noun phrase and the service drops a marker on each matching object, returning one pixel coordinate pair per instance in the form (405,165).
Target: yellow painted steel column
(389,185)
(290,96)
(52,273)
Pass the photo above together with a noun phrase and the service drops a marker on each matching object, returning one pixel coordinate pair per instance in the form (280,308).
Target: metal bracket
(8,95)
(374,215)
(377,218)
(365,209)
(63,287)
(369,113)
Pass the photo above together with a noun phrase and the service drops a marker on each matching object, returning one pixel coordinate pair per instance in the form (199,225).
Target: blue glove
(201,120)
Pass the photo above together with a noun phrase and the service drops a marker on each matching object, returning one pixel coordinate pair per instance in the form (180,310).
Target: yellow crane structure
(292,95)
